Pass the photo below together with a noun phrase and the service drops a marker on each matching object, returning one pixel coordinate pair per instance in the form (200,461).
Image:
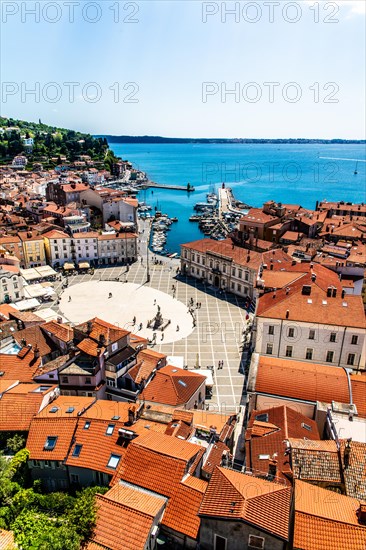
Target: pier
(173,187)
(226,202)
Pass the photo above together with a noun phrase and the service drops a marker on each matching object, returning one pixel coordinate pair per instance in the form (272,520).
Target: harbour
(290,173)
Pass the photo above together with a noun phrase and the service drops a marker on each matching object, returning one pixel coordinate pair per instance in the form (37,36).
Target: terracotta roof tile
(182,511)
(240,256)
(157,462)
(325,520)
(90,347)
(300,380)
(232,494)
(119,527)
(262,447)
(97,445)
(111,333)
(358,383)
(67,406)
(19,405)
(42,428)
(19,368)
(136,498)
(213,457)
(172,386)
(7,540)
(59,330)
(36,338)
(315,533)
(305,308)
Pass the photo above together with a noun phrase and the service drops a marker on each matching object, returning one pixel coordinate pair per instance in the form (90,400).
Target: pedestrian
(177,328)
(162,336)
(155,302)
(134,320)
(200,305)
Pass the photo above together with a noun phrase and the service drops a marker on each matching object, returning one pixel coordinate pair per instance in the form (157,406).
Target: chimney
(313,277)
(131,415)
(347,452)
(36,352)
(272,470)
(59,320)
(287,314)
(89,327)
(271,266)
(102,340)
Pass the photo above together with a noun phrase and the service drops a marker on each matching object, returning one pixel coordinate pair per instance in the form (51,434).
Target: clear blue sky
(169,52)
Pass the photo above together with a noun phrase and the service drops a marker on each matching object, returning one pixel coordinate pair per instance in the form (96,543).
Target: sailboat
(355,172)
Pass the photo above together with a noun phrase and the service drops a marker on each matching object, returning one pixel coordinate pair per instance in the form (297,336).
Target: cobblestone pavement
(217,336)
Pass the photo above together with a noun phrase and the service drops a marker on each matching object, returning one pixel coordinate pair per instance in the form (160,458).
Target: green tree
(83,514)
(15,443)
(37,531)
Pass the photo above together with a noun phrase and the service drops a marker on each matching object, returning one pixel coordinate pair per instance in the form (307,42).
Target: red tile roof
(173,386)
(19,405)
(288,423)
(111,333)
(358,383)
(240,256)
(158,462)
(97,446)
(290,303)
(325,520)
(182,511)
(119,527)
(41,428)
(233,495)
(19,367)
(62,332)
(305,381)
(35,337)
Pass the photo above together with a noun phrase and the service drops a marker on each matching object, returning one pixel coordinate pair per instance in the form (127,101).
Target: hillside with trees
(49,145)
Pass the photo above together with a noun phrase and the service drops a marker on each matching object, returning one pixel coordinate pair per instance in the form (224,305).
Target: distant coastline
(159,139)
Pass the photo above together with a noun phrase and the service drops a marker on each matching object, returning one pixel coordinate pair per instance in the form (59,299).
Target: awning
(46,271)
(23,305)
(84,265)
(29,274)
(69,266)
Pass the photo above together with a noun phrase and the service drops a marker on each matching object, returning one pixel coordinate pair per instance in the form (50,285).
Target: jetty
(188,188)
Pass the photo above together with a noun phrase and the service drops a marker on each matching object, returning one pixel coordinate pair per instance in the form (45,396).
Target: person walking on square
(69,298)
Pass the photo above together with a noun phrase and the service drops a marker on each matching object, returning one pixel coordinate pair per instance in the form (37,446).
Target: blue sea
(287,173)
